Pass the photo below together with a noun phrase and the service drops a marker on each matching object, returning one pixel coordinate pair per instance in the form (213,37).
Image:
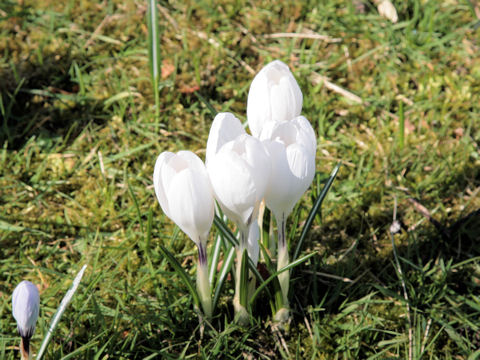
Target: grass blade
(401,120)
(215,258)
(244,279)
(183,275)
(227,265)
(274,276)
(207,104)
(278,303)
(223,228)
(61,309)
(315,208)
(225,231)
(154,52)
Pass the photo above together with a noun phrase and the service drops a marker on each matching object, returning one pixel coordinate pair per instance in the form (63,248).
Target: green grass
(79,138)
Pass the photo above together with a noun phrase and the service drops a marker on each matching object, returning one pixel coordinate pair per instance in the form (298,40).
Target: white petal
(292,147)
(306,134)
(25,307)
(259,161)
(233,185)
(157,180)
(192,161)
(225,127)
(258,110)
(279,196)
(191,203)
(274,95)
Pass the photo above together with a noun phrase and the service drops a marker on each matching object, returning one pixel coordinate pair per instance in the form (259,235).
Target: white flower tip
(25,308)
(274,95)
(387,10)
(225,127)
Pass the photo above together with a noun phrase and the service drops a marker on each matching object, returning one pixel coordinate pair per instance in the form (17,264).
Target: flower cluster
(275,164)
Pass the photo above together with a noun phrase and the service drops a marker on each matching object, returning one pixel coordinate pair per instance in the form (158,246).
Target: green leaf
(181,272)
(315,208)
(215,259)
(207,104)
(276,283)
(154,51)
(274,276)
(227,234)
(244,279)
(227,265)
(61,309)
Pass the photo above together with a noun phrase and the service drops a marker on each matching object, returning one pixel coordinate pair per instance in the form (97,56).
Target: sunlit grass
(76,164)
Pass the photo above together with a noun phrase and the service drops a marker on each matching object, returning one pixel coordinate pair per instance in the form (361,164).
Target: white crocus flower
(185,195)
(25,309)
(239,172)
(292,147)
(274,95)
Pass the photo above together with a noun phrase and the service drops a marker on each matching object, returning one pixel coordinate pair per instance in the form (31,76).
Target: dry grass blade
(313,36)
(319,79)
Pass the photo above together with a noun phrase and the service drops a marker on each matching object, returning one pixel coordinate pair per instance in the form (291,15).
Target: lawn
(398,104)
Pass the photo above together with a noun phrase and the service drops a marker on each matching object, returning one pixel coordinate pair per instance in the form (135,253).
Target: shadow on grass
(437,260)
(45,99)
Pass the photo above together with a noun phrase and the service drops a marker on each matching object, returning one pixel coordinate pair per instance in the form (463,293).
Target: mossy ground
(79,138)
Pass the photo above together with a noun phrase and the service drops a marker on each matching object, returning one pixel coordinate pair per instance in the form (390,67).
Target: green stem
(282,260)
(203,284)
(241,313)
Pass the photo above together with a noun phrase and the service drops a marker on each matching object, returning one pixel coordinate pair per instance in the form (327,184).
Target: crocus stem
(203,284)
(282,260)
(241,313)
(25,348)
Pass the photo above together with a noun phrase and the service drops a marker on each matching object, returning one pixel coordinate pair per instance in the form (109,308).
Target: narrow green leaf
(154,52)
(401,130)
(315,208)
(225,231)
(227,265)
(79,78)
(181,272)
(61,309)
(274,276)
(223,228)
(277,289)
(244,279)
(215,259)
(207,104)
(135,202)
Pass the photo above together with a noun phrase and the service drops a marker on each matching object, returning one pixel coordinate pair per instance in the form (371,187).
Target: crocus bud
(239,174)
(25,307)
(274,95)
(184,192)
(225,127)
(292,147)
(387,10)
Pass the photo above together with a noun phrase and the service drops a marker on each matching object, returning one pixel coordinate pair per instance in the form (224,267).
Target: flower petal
(25,307)
(158,173)
(225,127)
(191,203)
